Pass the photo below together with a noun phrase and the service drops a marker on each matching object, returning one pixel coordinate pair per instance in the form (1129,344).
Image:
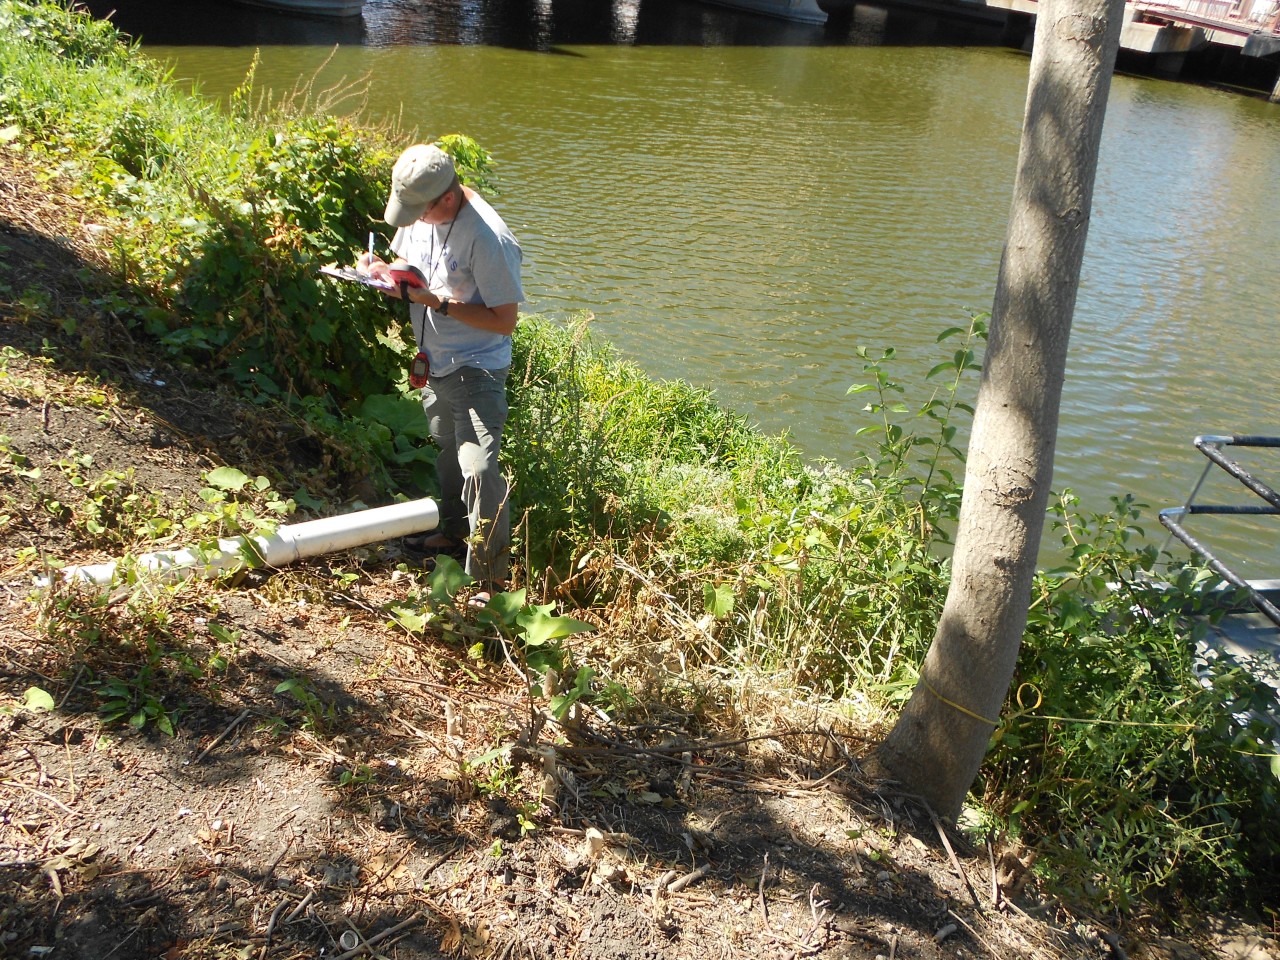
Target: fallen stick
(271,928)
(225,733)
(362,948)
(955,861)
(764,906)
(677,885)
(296,912)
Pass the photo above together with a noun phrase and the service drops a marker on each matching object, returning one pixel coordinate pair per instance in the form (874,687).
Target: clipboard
(349,274)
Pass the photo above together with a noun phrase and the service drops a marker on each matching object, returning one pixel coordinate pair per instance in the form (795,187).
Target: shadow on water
(544,26)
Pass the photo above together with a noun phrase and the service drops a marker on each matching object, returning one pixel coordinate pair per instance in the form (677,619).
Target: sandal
(480,599)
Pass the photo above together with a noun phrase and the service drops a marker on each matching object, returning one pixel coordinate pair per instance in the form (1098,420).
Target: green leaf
(412,620)
(560,704)
(227,478)
(717,600)
(1074,613)
(447,579)
(540,627)
(488,756)
(401,413)
(503,609)
(37,700)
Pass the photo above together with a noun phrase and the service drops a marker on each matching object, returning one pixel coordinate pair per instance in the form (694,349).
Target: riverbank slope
(250,766)
(273,825)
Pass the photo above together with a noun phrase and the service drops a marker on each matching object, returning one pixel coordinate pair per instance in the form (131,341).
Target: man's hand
(367,263)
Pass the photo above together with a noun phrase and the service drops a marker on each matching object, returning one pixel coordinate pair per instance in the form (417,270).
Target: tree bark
(937,745)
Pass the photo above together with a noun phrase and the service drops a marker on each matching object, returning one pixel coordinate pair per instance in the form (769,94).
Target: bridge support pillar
(1275,92)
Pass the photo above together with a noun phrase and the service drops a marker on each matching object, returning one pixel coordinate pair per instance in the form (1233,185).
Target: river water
(743,203)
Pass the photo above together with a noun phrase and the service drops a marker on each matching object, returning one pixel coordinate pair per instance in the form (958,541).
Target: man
(463,320)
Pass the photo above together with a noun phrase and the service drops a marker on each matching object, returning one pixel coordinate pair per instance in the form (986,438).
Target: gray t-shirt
(475,259)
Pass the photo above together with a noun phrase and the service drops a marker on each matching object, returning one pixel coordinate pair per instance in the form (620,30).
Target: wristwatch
(444,307)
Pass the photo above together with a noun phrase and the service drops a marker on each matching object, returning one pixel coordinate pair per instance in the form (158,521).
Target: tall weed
(1141,769)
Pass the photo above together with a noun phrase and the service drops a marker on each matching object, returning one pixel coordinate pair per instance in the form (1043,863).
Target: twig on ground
(266,877)
(74,681)
(36,760)
(372,941)
(296,912)
(18,658)
(271,927)
(977,936)
(764,906)
(677,885)
(225,733)
(454,692)
(995,881)
(416,731)
(434,864)
(133,933)
(39,793)
(684,746)
(391,869)
(955,861)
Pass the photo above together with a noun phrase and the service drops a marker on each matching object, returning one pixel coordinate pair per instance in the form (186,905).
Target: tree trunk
(938,743)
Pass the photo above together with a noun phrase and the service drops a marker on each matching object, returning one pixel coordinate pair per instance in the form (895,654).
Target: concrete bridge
(1169,31)
(1166,31)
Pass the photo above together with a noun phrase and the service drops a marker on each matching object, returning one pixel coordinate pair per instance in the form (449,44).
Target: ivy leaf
(400,413)
(540,627)
(227,478)
(37,700)
(503,609)
(412,620)
(447,579)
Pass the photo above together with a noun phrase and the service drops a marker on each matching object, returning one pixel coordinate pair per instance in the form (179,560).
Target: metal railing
(1211,447)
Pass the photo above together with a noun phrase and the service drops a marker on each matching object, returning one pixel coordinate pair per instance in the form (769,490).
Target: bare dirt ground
(359,822)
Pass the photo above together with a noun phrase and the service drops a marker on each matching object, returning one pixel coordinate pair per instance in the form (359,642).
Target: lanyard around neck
(431,273)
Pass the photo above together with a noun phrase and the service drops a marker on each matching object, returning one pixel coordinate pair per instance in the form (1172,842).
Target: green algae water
(745,217)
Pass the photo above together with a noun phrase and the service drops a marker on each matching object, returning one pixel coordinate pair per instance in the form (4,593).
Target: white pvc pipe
(287,545)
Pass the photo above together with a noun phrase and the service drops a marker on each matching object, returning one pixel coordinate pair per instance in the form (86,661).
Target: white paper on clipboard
(349,273)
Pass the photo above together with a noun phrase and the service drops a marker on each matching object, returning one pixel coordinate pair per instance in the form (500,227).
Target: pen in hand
(371,246)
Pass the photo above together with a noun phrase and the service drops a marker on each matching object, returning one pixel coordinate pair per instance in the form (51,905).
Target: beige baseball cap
(422,173)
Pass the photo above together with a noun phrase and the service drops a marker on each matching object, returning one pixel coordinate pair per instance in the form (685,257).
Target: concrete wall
(804,11)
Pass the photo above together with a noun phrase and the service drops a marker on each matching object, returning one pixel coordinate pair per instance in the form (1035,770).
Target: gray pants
(466,411)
